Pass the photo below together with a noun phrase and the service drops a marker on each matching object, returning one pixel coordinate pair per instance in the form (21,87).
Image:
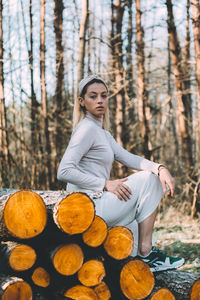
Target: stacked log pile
(54,246)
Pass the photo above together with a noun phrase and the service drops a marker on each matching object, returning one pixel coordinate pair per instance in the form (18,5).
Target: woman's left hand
(166,179)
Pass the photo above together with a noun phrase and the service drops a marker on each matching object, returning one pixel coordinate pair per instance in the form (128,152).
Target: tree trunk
(169,90)
(142,93)
(4,152)
(195,4)
(44,112)
(180,88)
(34,103)
(117,9)
(35,131)
(129,90)
(21,126)
(59,92)
(82,40)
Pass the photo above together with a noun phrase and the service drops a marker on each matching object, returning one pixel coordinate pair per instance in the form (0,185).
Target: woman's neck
(98,121)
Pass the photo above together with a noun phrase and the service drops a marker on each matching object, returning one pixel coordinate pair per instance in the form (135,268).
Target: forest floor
(179,235)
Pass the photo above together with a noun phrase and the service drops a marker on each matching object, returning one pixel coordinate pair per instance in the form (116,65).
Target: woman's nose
(99,100)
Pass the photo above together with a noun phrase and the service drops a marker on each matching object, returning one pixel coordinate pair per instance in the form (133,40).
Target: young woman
(86,166)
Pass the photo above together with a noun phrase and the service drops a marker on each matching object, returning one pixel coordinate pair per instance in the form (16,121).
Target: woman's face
(95,99)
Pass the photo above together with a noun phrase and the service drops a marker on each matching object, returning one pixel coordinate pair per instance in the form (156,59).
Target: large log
(96,234)
(23,215)
(92,272)
(19,257)
(14,288)
(119,242)
(136,280)
(75,213)
(67,259)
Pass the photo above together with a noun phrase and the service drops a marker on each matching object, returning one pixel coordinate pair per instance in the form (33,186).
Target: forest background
(147,51)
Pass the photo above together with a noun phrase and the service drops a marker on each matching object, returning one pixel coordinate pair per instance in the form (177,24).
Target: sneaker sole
(175,265)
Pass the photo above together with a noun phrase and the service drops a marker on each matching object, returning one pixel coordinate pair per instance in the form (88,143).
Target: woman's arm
(139,163)
(80,143)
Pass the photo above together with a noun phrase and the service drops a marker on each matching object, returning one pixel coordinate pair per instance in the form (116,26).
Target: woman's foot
(159,261)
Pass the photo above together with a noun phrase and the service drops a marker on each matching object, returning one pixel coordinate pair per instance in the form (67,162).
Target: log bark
(179,283)
(41,277)
(96,234)
(75,213)
(119,242)
(19,257)
(91,273)
(23,215)
(14,288)
(102,291)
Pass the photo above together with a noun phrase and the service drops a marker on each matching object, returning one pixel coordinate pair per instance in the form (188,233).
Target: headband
(86,80)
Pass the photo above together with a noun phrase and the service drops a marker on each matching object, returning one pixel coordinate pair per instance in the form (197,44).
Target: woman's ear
(81,101)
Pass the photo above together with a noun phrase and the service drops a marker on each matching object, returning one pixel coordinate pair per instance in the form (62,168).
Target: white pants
(147,192)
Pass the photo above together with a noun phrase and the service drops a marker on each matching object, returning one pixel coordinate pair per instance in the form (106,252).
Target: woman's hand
(166,179)
(117,187)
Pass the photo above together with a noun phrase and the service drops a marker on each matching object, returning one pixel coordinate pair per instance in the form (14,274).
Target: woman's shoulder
(108,134)
(84,126)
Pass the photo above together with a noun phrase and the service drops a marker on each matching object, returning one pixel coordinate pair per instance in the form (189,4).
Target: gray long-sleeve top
(87,161)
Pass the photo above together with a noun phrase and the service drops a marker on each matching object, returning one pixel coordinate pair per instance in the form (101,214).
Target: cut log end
(75,213)
(18,290)
(80,292)
(162,294)
(96,234)
(136,280)
(102,291)
(195,293)
(68,259)
(22,257)
(25,214)
(41,277)
(91,273)
(119,242)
